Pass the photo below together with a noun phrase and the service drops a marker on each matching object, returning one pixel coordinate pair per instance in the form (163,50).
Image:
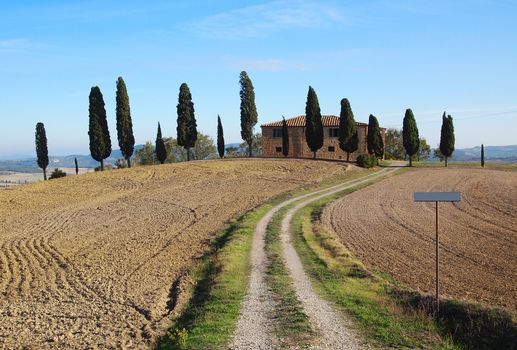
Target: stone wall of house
(298,148)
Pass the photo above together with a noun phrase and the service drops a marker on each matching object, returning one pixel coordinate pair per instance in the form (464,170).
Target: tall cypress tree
(126,140)
(410,138)
(187,126)
(100,142)
(76,167)
(220,137)
(285,138)
(375,143)
(248,110)
(348,136)
(41,148)
(313,123)
(482,155)
(447,137)
(161,151)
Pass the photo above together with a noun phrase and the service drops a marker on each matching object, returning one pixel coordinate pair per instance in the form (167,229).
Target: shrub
(473,326)
(56,174)
(366,161)
(121,163)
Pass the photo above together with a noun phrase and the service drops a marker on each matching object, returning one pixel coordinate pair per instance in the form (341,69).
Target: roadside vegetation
(343,280)
(388,313)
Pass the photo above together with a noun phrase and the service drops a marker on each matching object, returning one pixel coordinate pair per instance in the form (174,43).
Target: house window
(332,149)
(334,132)
(277,132)
(278,149)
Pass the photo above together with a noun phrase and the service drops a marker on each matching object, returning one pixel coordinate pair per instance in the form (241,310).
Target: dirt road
(254,328)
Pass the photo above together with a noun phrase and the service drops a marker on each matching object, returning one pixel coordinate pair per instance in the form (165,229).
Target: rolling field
(385,229)
(100,260)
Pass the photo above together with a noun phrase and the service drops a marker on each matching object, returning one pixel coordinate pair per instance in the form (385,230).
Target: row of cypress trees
(348,136)
(411,141)
(99,135)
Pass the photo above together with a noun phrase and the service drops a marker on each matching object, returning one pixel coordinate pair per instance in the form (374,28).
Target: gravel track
(99,260)
(255,325)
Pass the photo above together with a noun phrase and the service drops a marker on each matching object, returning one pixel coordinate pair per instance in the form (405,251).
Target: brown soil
(98,260)
(383,227)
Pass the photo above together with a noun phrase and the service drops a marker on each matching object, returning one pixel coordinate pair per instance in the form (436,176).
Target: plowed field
(98,260)
(478,236)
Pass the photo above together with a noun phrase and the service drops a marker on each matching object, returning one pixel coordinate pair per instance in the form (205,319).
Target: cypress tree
(100,142)
(220,137)
(313,124)
(482,155)
(285,138)
(410,138)
(248,110)
(76,167)
(348,137)
(41,148)
(161,151)
(375,144)
(126,140)
(187,127)
(447,137)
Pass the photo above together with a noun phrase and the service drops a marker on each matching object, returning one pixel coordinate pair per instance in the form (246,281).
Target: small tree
(100,142)
(256,144)
(375,144)
(56,174)
(187,126)
(205,147)
(447,137)
(145,155)
(248,110)
(76,166)
(348,137)
(220,138)
(161,152)
(394,148)
(126,140)
(410,135)
(424,150)
(482,155)
(285,138)
(41,148)
(313,123)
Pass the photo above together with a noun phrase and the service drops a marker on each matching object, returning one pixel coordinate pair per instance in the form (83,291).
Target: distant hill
(28,165)
(492,153)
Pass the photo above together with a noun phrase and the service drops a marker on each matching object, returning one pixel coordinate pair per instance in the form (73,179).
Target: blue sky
(384,56)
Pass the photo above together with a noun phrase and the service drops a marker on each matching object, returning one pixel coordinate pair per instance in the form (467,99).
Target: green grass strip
(292,325)
(344,281)
(210,319)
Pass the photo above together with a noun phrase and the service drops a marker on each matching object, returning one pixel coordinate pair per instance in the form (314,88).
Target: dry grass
(100,259)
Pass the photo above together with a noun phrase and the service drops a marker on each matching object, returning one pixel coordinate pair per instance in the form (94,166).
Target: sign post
(437,197)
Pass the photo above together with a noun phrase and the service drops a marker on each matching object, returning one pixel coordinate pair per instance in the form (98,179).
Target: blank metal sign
(437,196)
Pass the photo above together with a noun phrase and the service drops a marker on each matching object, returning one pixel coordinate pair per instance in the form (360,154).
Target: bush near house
(366,161)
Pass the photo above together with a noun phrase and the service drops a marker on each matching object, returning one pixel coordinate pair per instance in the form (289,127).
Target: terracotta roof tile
(327,120)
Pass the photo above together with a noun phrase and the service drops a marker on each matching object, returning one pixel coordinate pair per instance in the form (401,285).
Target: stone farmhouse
(272,139)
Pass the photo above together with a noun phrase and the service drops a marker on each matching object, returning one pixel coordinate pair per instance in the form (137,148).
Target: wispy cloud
(15,44)
(267,65)
(263,19)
